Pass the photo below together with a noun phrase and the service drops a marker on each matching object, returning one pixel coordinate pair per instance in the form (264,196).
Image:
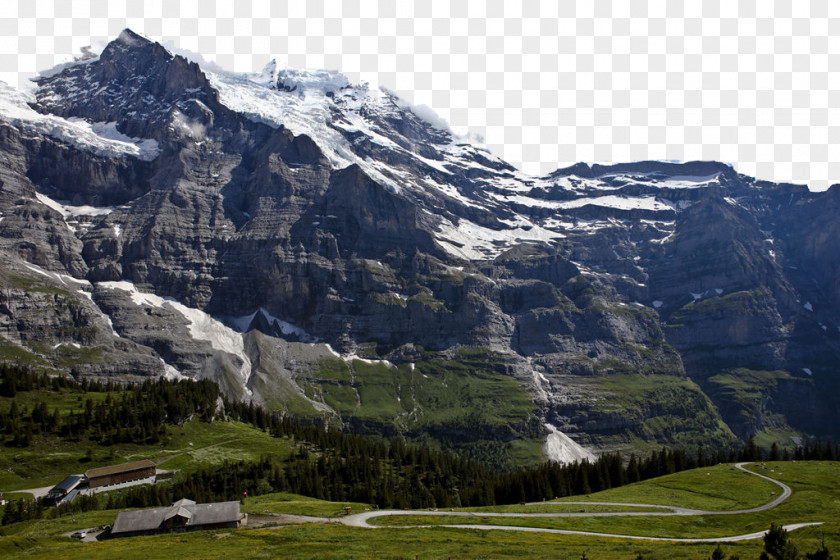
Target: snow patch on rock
(562,449)
(326,81)
(422,112)
(102,139)
(68,211)
(171,373)
(65,279)
(610,201)
(288,328)
(201,325)
(474,242)
(350,358)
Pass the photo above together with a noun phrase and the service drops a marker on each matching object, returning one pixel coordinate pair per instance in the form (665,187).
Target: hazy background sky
(546,84)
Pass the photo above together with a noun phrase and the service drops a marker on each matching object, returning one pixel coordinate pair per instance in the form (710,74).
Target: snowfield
(102,139)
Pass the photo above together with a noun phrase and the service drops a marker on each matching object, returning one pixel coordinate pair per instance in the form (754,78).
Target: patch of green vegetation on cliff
(780,434)
(740,394)
(388,298)
(10,352)
(426,298)
(667,409)
(284,395)
(468,384)
(381,272)
(522,252)
(334,368)
(746,387)
(341,398)
(457,400)
(647,352)
(33,285)
(645,363)
(747,302)
(453,278)
(273,382)
(613,366)
(69,356)
(637,312)
(335,382)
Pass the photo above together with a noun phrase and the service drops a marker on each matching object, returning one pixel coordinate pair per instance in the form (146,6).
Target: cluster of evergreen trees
(130,414)
(23,510)
(778,546)
(14,378)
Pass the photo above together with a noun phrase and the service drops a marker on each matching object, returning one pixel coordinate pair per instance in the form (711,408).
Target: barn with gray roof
(183,515)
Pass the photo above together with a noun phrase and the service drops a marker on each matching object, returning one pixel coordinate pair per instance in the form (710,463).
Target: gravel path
(36,492)
(362,519)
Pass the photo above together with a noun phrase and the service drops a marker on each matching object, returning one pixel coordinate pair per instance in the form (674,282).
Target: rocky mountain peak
(134,82)
(131,39)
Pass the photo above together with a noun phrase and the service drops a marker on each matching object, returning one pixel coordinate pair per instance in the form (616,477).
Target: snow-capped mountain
(328,249)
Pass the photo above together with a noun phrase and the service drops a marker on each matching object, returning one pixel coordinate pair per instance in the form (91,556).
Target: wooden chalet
(183,515)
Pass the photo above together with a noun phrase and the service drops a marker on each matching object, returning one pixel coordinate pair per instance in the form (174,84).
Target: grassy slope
(745,390)
(668,409)
(708,489)
(464,403)
(294,504)
(816,498)
(434,393)
(49,459)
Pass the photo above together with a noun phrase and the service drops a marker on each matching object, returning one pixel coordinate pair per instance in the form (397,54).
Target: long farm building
(116,474)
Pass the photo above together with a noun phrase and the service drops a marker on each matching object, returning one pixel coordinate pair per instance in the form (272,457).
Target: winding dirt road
(362,519)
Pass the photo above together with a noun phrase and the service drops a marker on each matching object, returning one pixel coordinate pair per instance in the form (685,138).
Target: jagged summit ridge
(134,81)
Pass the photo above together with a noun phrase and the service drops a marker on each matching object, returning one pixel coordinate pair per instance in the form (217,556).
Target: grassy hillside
(218,459)
(667,410)
(465,403)
(52,428)
(48,460)
(58,446)
(816,497)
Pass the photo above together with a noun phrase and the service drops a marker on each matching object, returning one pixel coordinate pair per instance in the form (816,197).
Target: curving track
(362,519)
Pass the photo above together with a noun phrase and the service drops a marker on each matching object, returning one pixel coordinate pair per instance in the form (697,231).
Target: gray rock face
(645,302)
(136,83)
